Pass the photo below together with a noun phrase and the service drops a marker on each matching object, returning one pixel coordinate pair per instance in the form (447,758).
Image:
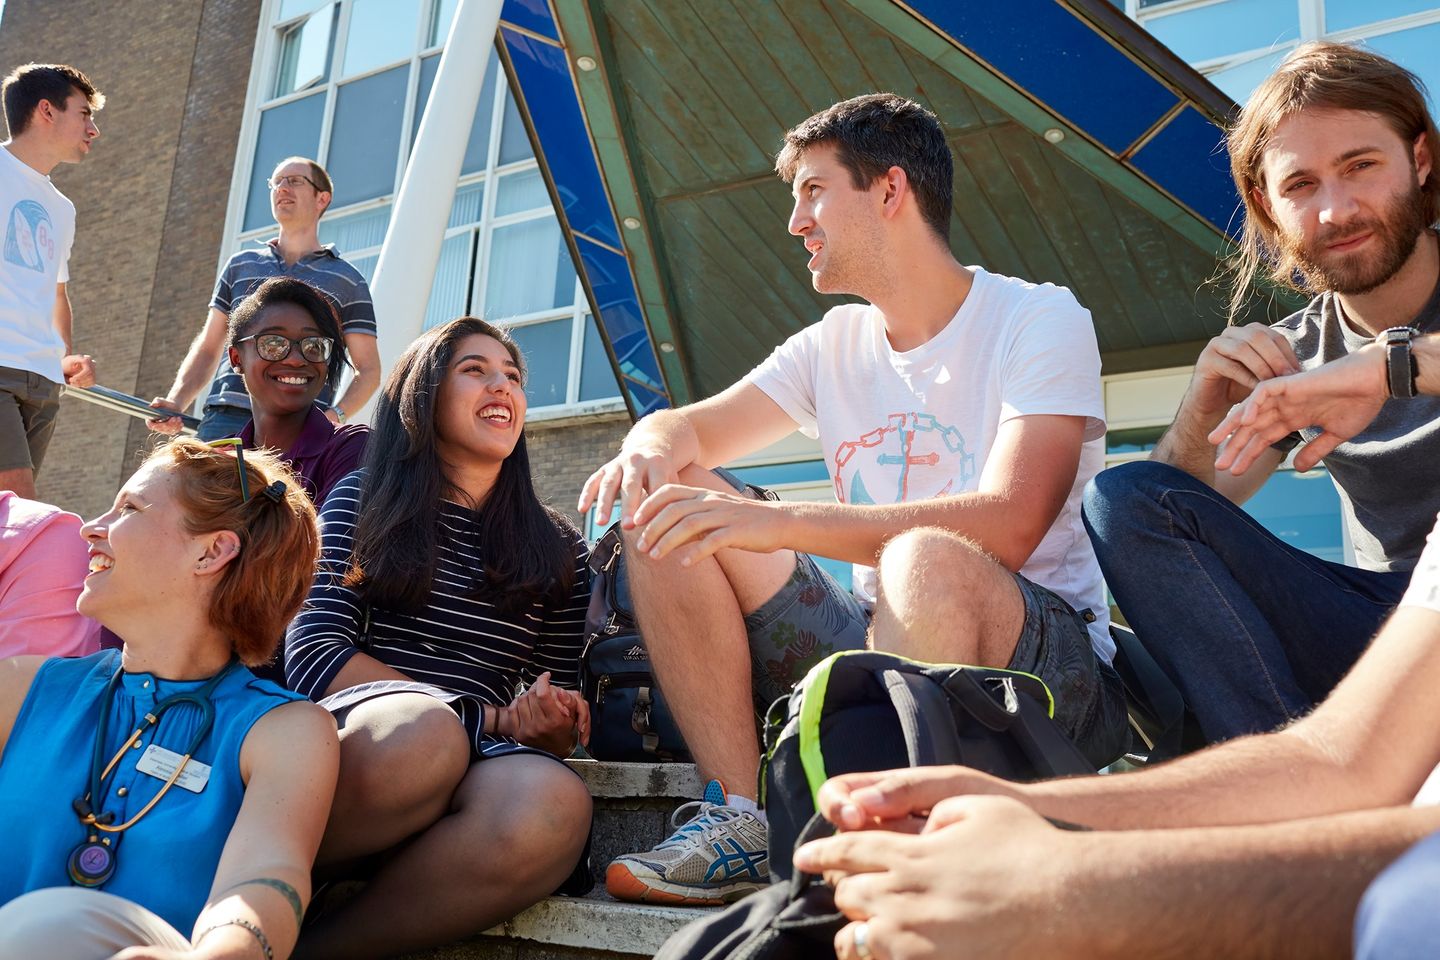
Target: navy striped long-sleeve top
(462,644)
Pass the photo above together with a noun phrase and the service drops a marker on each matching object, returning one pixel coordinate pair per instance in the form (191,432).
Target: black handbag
(629,720)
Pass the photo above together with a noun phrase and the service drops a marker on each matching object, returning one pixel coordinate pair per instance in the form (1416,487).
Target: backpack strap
(925,718)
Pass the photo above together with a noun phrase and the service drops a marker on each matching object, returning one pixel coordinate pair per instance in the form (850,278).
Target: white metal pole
(411,251)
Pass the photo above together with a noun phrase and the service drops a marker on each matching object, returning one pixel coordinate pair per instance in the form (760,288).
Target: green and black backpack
(860,711)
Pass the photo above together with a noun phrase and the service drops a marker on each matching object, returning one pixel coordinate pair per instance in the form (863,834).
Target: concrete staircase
(633,803)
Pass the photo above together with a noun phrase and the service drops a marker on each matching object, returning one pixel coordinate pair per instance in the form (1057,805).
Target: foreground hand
(156,953)
(887,799)
(169,426)
(1341,397)
(699,522)
(543,716)
(79,370)
(988,877)
(630,476)
(1234,362)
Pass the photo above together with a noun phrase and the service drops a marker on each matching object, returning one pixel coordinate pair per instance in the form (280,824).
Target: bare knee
(397,754)
(530,811)
(925,565)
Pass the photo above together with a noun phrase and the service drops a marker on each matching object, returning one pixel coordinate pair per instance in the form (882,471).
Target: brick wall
(565,452)
(150,201)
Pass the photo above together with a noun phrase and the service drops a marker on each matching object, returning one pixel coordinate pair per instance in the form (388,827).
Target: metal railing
(129,405)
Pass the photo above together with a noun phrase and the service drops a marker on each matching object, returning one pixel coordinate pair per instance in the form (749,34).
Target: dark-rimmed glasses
(276,346)
(239,446)
(293,181)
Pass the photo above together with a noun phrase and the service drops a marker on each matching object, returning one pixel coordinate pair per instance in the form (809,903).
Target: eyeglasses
(293,182)
(276,346)
(239,446)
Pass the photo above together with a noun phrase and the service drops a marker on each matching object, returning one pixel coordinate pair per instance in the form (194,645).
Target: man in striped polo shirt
(300,190)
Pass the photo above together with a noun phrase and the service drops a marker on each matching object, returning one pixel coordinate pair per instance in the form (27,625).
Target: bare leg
(21,480)
(944,600)
(512,835)
(692,619)
(401,758)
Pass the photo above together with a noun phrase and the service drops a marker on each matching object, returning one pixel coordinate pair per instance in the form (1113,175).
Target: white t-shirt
(39,229)
(907,426)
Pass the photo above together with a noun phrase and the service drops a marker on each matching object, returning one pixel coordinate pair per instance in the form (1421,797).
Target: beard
(1397,230)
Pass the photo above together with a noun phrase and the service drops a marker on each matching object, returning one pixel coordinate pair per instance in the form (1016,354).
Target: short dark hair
(873,133)
(307,298)
(26,86)
(317,173)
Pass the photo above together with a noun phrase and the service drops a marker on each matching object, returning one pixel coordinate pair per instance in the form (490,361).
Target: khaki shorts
(28,405)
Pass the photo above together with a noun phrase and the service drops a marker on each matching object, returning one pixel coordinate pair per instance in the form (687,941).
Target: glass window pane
(356,231)
(514,141)
(1414,50)
(452,281)
(477,151)
(441,16)
(286,9)
(381,32)
(546,349)
(1234,26)
(366,265)
(521,191)
(1344,14)
(1303,509)
(291,129)
(305,53)
(1241,80)
(469,202)
(365,136)
(530,270)
(597,379)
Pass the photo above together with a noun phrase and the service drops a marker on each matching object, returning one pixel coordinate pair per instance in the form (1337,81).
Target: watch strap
(1401,369)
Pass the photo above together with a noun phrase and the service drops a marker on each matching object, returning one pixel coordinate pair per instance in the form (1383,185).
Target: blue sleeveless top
(167,861)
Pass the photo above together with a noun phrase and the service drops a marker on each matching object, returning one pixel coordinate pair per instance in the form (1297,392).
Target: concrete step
(633,804)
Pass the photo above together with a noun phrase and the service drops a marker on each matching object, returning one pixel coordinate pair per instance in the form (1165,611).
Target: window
(348,84)
(1348,14)
(1207,31)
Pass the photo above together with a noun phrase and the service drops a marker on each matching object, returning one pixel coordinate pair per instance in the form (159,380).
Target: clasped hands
(545,716)
(672,517)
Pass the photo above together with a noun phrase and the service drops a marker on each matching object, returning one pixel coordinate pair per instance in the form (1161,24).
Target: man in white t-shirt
(50,111)
(960,416)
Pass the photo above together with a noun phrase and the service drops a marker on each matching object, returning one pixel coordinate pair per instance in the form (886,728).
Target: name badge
(161,763)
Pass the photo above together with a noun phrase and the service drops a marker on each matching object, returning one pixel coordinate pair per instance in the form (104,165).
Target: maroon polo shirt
(322,454)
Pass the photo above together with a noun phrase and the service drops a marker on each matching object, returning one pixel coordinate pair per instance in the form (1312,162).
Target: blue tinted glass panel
(1344,14)
(772,474)
(530,270)
(366,266)
(533,15)
(620,317)
(1415,50)
(441,15)
(452,281)
(514,141)
(305,53)
(365,136)
(286,9)
(597,378)
(357,231)
(1240,81)
(1302,509)
(477,150)
(1054,56)
(469,204)
(519,192)
(381,32)
(546,348)
(1188,158)
(1222,29)
(292,129)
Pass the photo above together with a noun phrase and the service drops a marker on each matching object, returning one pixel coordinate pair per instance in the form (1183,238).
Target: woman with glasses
(162,798)
(285,340)
(443,583)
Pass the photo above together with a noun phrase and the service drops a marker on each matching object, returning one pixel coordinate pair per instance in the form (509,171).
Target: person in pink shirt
(42,568)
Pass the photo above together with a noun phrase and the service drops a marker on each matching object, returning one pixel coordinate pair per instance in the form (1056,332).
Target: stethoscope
(92,863)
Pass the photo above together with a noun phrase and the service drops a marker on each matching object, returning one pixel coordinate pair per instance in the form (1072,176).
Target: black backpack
(629,720)
(860,710)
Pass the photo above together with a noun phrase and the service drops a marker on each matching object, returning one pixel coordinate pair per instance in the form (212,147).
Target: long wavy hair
(1330,76)
(526,549)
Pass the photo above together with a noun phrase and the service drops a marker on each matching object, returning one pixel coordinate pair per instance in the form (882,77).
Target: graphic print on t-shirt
(29,238)
(918,456)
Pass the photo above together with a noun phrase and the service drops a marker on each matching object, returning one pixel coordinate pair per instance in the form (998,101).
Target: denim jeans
(1397,918)
(220,422)
(1253,631)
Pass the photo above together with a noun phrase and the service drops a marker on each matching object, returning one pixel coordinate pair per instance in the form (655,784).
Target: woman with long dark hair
(443,584)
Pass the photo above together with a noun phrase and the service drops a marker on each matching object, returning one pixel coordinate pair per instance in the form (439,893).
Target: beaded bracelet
(237,922)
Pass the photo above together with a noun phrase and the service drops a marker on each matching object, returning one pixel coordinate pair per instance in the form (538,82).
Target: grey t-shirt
(1386,474)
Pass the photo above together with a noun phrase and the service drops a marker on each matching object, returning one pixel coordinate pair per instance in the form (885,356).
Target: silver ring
(862,940)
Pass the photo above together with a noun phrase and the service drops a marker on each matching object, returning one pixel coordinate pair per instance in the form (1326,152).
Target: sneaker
(716,855)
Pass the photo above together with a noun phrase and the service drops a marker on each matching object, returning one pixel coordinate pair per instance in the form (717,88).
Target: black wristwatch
(1401,370)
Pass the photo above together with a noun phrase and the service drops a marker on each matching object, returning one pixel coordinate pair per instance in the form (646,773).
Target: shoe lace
(697,820)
